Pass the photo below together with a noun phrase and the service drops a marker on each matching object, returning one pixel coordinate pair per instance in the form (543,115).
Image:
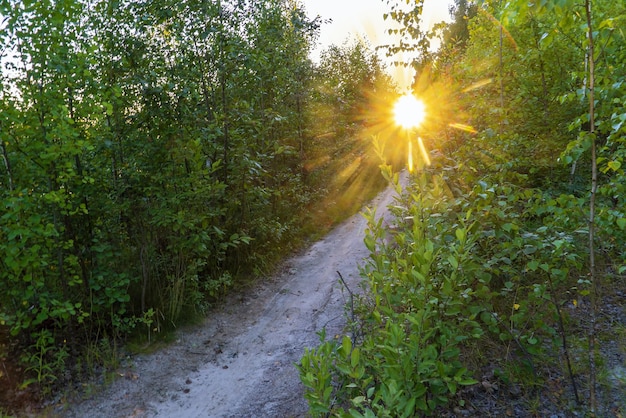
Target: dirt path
(240,363)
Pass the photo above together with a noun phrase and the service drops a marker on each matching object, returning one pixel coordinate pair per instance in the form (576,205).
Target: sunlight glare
(478,85)
(463,127)
(425,156)
(409,112)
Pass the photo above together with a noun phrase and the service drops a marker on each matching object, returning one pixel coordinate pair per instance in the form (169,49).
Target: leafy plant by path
(539,84)
(456,281)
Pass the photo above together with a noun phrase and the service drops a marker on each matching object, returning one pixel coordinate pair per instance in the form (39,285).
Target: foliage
(488,257)
(413,39)
(408,358)
(349,94)
(154,155)
(455,272)
(45,361)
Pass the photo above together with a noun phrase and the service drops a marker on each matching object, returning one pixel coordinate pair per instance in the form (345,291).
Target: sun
(409,112)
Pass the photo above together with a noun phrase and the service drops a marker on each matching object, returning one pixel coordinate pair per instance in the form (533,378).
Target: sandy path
(240,362)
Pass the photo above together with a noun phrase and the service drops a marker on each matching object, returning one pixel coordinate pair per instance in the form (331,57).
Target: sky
(354,19)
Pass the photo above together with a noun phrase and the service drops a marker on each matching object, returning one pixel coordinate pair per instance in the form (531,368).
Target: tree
(456,33)
(490,234)
(149,156)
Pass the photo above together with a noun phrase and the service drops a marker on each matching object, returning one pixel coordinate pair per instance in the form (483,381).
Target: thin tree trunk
(226,139)
(542,71)
(145,273)
(568,361)
(501,71)
(584,88)
(300,113)
(592,214)
(501,77)
(7,164)
(84,257)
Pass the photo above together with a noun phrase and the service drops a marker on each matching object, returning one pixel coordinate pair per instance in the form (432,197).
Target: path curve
(240,362)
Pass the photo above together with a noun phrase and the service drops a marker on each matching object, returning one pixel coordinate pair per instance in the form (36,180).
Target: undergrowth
(464,292)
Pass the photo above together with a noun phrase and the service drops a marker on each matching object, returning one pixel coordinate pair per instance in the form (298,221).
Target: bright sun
(409,112)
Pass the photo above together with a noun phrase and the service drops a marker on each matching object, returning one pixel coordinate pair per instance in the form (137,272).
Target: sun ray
(463,127)
(478,85)
(425,155)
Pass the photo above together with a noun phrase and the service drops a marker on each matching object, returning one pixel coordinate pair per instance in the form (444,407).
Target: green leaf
(508,227)
(108,108)
(468,382)
(529,249)
(613,165)
(460,234)
(356,414)
(355,357)
(346,346)
(409,409)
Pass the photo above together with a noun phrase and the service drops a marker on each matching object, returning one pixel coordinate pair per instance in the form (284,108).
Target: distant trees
(350,96)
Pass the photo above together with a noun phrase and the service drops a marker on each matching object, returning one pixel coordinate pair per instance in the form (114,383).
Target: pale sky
(353,19)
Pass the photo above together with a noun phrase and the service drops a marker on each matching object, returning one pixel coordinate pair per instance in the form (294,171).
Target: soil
(241,361)
(12,396)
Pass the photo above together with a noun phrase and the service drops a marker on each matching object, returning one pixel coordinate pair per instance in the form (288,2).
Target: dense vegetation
(156,154)
(504,273)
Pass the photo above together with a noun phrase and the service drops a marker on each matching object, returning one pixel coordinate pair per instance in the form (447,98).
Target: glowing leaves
(614,165)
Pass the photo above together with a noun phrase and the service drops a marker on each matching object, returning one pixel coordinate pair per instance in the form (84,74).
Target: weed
(44,361)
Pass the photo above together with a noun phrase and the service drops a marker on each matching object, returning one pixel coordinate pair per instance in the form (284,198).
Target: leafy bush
(453,274)
(422,308)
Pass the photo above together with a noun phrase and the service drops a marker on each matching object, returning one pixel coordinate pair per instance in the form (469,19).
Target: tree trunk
(592,214)
(7,164)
